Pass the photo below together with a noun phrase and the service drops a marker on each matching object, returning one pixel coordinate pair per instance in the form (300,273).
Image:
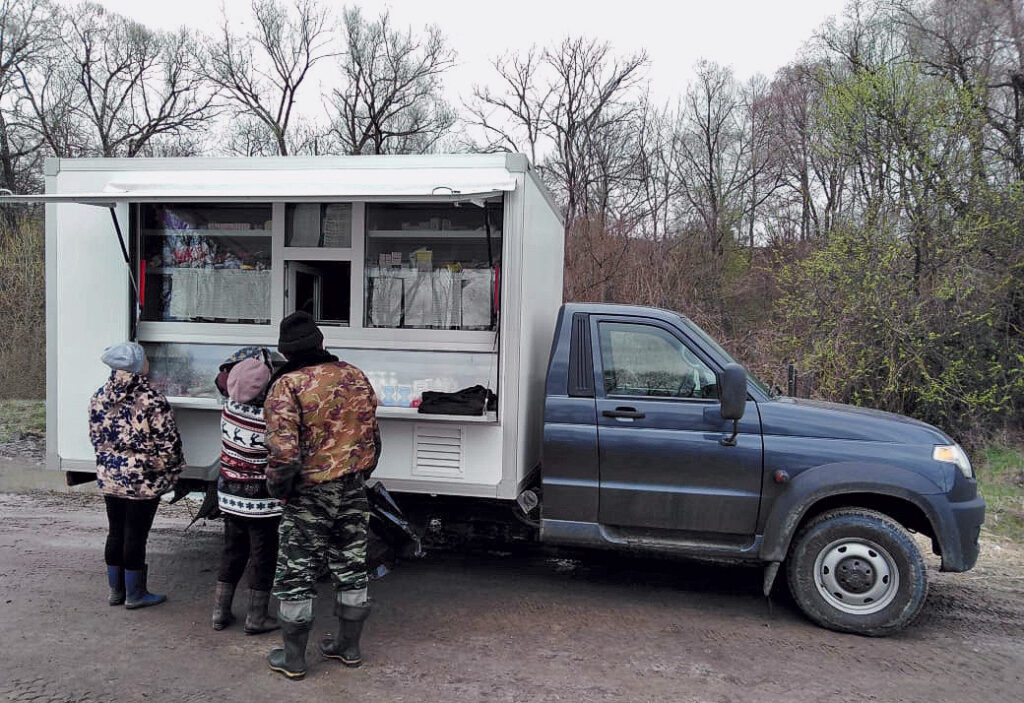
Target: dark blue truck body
(633,452)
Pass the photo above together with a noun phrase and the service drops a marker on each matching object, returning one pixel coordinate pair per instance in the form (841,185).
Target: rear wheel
(856,570)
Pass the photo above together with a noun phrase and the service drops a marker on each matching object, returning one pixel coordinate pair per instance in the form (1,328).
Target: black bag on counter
(469,401)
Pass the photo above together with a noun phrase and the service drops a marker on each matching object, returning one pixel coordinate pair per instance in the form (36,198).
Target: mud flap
(771,570)
(391,530)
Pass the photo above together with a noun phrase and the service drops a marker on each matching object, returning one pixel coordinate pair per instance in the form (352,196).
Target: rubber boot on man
(352,609)
(296,617)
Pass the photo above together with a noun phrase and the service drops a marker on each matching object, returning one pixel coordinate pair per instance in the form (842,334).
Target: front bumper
(958,526)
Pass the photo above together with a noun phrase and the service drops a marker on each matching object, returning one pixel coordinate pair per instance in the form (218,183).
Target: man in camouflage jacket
(323,436)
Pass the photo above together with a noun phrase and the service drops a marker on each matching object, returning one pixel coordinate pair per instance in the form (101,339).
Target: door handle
(624,413)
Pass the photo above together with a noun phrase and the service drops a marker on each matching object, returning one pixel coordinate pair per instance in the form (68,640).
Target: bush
(946,348)
(22,306)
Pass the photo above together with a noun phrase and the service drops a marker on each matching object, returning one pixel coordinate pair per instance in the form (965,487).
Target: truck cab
(656,440)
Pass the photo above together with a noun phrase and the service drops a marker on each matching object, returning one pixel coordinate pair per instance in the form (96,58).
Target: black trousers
(252,541)
(129,522)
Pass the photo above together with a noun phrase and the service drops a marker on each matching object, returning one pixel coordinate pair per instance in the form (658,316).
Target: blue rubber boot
(137,596)
(115,577)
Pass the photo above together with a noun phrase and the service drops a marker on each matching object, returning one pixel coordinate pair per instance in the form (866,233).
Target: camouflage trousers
(323,525)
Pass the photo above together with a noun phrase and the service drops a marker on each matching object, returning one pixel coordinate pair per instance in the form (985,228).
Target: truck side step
(592,534)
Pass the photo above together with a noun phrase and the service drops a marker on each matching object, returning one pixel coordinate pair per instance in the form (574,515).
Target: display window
(368,266)
(205,263)
(433,266)
(399,377)
(316,225)
(186,370)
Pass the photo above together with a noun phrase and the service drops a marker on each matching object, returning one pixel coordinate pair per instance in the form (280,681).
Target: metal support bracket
(136,303)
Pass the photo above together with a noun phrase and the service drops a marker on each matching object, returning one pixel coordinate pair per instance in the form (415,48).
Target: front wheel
(856,570)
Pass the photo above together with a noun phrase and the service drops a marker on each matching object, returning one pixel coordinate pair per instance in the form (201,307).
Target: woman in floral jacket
(138,459)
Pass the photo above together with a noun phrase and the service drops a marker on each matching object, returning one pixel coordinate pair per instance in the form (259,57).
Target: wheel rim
(856,576)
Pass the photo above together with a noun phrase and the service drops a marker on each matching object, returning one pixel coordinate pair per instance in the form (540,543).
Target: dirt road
(487,627)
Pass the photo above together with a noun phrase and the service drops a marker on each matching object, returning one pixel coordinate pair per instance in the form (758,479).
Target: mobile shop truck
(614,427)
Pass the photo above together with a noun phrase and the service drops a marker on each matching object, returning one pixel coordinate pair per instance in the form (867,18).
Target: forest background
(855,219)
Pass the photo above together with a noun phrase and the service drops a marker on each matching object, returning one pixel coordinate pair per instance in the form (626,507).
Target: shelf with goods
(431,234)
(169,270)
(435,299)
(206,264)
(206,232)
(185,372)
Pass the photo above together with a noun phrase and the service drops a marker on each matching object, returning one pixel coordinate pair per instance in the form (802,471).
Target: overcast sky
(750,35)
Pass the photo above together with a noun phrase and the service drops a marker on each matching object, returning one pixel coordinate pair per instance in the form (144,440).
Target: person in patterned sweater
(138,459)
(251,515)
(323,437)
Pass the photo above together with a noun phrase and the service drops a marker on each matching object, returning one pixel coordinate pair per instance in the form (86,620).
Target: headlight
(953,454)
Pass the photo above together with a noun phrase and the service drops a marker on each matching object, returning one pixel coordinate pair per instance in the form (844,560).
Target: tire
(859,571)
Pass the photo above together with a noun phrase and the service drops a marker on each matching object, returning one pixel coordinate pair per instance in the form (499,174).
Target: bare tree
(390,100)
(712,157)
(249,136)
(578,102)
(593,100)
(49,88)
(24,36)
(812,177)
(865,38)
(656,182)
(512,118)
(113,87)
(978,47)
(764,175)
(262,72)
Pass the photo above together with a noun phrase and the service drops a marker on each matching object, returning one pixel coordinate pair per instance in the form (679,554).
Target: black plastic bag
(469,401)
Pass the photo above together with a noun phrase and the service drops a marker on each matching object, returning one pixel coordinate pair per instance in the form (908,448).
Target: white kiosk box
(428,272)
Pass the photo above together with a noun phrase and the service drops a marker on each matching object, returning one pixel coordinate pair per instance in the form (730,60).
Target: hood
(120,385)
(817,418)
(251,352)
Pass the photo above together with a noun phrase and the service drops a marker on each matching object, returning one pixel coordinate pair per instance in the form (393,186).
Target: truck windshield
(710,341)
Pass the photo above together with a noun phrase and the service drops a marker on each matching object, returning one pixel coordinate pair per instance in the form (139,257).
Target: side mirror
(733,386)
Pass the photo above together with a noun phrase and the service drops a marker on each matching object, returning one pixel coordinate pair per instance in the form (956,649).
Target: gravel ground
(485,626)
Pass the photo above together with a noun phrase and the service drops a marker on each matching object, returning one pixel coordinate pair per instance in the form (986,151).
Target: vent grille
(438,451)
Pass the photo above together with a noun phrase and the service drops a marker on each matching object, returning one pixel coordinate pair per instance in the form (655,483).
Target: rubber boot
(344,646)
(257,619)
(145,578)
(290,661)
(222,597)
(115,578)
(136,593)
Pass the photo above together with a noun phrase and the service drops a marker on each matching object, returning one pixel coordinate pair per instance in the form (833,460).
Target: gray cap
(127,356)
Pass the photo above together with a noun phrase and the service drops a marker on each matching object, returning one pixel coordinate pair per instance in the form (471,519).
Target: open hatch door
(99,200)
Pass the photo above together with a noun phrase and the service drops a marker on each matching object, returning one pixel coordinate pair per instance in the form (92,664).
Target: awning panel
(290,185)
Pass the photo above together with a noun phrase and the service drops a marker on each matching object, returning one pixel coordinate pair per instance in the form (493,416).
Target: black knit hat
(299,333)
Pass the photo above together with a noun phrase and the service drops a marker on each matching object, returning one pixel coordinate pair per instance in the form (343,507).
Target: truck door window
(643,360)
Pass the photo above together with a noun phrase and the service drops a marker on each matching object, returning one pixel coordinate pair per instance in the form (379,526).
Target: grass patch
(1001,480)
(22,418)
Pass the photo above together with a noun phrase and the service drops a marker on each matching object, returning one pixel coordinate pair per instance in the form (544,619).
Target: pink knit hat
(247,380)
